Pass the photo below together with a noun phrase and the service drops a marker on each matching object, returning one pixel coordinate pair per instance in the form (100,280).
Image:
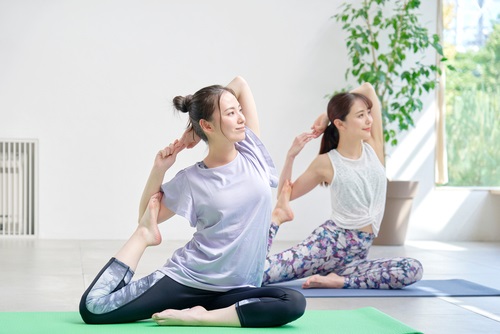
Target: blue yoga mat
(423,288)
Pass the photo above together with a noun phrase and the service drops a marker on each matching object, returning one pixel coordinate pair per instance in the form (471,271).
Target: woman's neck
(350,149)
(220,155)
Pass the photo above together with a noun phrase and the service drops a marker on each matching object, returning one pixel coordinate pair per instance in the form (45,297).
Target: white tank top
(358,190)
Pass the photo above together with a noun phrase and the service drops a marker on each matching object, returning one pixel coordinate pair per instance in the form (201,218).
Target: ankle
(275,219)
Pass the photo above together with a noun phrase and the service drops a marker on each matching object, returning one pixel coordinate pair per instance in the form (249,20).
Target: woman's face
(359,120)
(230,121)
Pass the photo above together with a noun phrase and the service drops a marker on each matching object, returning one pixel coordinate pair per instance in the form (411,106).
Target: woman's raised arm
(247,102)
(377,133)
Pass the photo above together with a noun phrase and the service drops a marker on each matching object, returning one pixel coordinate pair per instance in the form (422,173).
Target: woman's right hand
(299,142)
(166,157)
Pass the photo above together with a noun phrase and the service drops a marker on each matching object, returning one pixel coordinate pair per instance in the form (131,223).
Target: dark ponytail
(200,105)
(330,139)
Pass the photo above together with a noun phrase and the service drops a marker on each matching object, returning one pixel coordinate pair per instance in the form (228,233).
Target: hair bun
(182,103)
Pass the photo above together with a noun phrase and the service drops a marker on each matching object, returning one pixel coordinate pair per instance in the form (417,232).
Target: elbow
(239,79)
(368,86)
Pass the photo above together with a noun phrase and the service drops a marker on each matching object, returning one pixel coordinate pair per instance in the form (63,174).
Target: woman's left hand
(189,138)
(165,158)
(319,125)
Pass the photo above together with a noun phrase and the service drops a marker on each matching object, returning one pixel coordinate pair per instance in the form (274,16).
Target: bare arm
(247,102)
(320,171)
(163,161)
(377,133)
(298,144)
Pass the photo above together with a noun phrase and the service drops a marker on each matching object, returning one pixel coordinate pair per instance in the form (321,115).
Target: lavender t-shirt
(230,206)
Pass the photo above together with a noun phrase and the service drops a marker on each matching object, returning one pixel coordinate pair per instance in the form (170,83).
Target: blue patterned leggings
(344,252)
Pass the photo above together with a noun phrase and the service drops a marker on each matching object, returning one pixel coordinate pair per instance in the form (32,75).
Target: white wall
(93,82)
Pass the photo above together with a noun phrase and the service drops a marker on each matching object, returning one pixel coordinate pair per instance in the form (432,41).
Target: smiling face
(358,122)
(231,121)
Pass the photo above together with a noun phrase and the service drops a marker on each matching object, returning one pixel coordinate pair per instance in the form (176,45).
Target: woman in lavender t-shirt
(215,279)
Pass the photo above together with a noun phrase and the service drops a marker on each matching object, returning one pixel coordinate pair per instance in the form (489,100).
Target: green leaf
(395,105)
(355,60)
(386,136)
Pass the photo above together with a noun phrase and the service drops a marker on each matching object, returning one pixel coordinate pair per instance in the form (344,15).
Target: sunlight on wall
(437,213)
(437,219)
(404,162)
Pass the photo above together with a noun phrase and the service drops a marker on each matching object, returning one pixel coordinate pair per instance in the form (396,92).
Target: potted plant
(385,44)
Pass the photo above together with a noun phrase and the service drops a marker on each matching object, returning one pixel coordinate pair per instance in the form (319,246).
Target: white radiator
(18,173)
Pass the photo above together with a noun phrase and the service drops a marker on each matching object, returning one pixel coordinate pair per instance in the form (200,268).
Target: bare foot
(282,211)
(187,317)
(330,281)
(198,316)
(149,221)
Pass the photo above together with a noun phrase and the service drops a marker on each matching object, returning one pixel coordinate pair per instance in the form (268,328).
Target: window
(471,38)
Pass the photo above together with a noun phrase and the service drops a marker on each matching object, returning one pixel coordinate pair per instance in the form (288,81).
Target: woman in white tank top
(351,164)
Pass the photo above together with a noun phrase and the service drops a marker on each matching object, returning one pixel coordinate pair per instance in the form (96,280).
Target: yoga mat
(359,321)
(423,288)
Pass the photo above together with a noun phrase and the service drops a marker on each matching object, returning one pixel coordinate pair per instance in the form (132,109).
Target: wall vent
(18,186)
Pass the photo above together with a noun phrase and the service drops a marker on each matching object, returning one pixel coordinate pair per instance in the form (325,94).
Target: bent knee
(412,273)
(417,269)
(296,305)
(87,316)
(279,307)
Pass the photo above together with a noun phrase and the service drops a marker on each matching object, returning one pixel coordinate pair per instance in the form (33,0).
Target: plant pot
(398,205)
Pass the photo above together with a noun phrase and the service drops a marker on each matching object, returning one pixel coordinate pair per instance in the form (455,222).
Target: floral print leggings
(341,251)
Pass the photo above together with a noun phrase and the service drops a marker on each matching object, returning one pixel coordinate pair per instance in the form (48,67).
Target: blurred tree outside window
(471,39)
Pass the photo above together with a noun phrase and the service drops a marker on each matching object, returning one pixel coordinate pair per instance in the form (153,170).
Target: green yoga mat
(363,320)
